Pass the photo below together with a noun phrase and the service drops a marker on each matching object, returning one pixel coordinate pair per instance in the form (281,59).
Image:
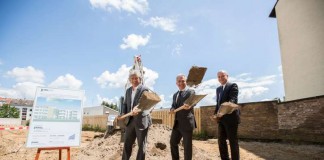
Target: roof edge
(273,11)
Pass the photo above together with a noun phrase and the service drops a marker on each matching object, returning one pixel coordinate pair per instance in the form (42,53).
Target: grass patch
(96,128)
(200,136)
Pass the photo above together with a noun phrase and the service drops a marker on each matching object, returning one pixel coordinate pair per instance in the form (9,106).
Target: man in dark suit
(137,125)
(184,122)
(227,124)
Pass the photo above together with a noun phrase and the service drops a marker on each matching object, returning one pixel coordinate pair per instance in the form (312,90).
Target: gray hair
(181,75)
(134,72)
(222,71)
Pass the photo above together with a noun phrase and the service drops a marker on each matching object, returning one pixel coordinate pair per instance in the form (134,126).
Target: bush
(96,128)
(200,136)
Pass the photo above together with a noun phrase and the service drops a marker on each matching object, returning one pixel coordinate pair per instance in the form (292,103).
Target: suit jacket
(143,119)
(185,118)
(229,94)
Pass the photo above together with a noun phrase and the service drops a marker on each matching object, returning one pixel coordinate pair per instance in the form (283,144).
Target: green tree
(9,112)
(110,105)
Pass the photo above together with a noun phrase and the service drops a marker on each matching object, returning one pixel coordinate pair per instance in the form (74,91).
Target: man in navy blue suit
(227,124)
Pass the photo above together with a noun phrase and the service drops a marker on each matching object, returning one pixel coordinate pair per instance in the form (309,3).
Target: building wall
(259,120)
(10,121)
(299,120)
(28,111)
(111,111)
(90,111)
(95,121)
(207,125)
(301,36)
(98,110)
(302,120)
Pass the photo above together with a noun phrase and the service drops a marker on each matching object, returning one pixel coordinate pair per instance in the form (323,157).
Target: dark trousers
(176,136)
(228,131)
(132,133)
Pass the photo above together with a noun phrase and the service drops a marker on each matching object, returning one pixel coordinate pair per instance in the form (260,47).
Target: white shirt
(133,95)
(179,93)
(224,86)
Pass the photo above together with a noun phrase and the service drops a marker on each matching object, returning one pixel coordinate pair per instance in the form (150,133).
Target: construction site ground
(94,146)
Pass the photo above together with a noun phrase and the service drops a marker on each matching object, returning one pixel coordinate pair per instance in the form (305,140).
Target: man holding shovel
(184,123)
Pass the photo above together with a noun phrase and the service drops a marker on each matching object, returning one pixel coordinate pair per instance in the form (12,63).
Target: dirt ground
(12,147)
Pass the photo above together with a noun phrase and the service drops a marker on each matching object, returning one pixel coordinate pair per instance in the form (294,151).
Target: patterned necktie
(220,96)
(179,95)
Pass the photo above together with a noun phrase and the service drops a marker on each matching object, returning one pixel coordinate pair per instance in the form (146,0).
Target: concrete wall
(299,120)
(301,36)
(92,111)
(10,121)
(98,120)
(98,110)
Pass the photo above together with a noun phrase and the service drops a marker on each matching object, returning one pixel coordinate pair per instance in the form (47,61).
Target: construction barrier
(14,128)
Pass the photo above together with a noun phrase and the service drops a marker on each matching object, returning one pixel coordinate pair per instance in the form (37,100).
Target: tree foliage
(110,105)
(6,111)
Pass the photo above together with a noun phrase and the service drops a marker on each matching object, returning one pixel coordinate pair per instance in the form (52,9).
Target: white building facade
(301,37)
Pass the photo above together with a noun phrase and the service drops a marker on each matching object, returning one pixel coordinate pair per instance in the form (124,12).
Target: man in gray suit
(184,122)
(136,125)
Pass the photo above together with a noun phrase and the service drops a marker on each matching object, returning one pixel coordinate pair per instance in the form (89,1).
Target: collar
(185,89)
(224,85)
(134,89)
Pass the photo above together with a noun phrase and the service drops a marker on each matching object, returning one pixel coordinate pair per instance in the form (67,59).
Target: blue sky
(90,45)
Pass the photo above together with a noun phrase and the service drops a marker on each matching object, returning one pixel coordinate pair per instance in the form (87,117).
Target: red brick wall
(298,120)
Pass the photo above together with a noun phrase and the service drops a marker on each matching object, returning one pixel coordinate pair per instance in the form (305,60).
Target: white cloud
(150,77)
(177,49)
(67,81)
(134,41)
(133,6)
(120,77)
(248,93)
(8,93)
(186,30)
(1,63)
(280,70)
(114,100)
(250,88)
(27,74)
(113,80)
(166,24)
(208,87)
(163,103)
(21,90)
(28,79)
(243,77)
(256,82)
(26,89)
